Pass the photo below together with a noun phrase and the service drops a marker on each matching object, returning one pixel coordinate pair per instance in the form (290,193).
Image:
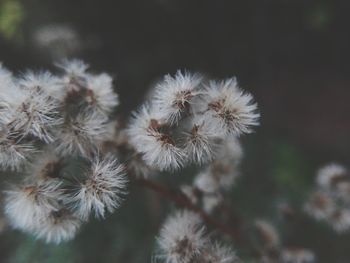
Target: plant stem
(183,201)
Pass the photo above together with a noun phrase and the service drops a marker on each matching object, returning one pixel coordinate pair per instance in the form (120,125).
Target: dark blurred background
(293,55)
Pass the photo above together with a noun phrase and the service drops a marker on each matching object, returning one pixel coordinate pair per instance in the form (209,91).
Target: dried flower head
(26,206)
(182,238)
(201,142)
(10,94)
(74,68)
(340,220)
(14,152)
(218,253)
(58,226)
(74,81)
(102,190)
(320,205)
(81,135)
(229,109)
(100,94)
(174,95)
(328,176)
(37,112)
(149,136)
(46,166)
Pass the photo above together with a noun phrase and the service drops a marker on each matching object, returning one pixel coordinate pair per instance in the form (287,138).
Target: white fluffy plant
(47,123)
(188,119)
(50,124)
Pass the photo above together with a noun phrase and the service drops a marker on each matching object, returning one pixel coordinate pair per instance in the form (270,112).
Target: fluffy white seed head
(340,220)
(6,78)
(10,96)
(215,178)
(81,135)
(230,151)
(42,80)
(229,109)
(201,142)
(182,238)
(58,226)
(26,206)
(38,113)
(206,182)
(174,95)
(102,190)
(149,136)
(75,76)
(327,175)
(320,205)
(223,170)
(73,67)
(218,253)
(13,152)
(45,166)
(336,179)
(100,93)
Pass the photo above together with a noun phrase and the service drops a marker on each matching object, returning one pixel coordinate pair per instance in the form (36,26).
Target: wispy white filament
(102,190)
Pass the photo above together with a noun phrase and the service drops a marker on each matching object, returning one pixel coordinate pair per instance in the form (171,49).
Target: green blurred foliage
(320,16)
(11,17)
(291,170)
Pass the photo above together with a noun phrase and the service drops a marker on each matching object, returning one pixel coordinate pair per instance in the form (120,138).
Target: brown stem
(183,201)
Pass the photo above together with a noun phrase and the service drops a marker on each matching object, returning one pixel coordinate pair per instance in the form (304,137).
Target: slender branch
(183,201)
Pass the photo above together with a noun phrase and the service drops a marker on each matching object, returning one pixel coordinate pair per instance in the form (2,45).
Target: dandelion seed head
(320,205)
(206,182)
(229,109)
(13,152)
(174,95)
(46,166)
(10,95)
(25,206)
(336,179)
(328,175)
(230,151)
(38,112)
(75,76)
(201,142)
(218,253)
(73,67)
(340,220)
(103,189)
(101,94)
(41,82)
(182,238)
(58,226)
(146,133)
(82,134)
